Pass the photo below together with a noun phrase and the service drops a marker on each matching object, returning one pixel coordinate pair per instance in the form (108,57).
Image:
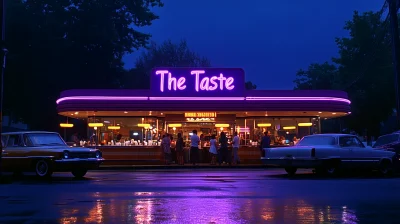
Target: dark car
(45,153)
(390,142)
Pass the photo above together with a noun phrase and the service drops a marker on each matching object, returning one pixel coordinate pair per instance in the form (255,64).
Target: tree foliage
(250,86)
(167,54)
(363,69)
(317,76)
(65,44)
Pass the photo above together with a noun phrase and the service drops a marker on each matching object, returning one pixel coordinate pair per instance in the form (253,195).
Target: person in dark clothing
(194,148)
(265,142)
(179,149)
(225,154)
(173,149)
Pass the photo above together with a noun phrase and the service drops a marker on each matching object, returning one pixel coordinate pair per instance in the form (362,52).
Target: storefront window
(142,130)
(284,131)
(121,130)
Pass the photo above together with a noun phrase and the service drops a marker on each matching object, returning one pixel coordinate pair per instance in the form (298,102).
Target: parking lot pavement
(199,196)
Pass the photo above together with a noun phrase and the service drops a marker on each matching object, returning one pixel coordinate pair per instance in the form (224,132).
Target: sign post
(3,66)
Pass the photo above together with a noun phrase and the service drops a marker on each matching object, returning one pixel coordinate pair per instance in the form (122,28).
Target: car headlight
(66,155)
(98,155)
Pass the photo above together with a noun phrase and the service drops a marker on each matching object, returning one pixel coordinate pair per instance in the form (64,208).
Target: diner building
(128,124)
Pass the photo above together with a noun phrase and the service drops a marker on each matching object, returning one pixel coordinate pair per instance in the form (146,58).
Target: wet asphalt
(200,196)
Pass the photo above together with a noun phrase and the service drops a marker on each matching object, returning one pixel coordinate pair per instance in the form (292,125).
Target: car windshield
(386,139)
(42,139)
(316,140)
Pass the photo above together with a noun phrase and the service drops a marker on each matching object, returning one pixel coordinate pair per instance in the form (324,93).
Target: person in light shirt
(194,148)
(235,145)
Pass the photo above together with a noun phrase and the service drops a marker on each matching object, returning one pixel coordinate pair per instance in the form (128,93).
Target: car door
(357,155)
(15,153)
(5,156)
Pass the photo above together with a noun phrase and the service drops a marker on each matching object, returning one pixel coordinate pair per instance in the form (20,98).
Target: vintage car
(390,142)
(327,153)
(45,153)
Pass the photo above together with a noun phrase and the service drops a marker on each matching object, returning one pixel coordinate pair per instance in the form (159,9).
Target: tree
(58,45)
(168,54)
(364,71)
(250,86)
(317,76)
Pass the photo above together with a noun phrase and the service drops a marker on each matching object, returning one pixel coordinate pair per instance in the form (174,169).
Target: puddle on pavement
(209,210)
(183,209)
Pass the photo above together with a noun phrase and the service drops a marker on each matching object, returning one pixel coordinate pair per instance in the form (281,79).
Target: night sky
(271,40)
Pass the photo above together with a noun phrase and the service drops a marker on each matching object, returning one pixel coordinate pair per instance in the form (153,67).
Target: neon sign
(201,114)
(206,83)
(197,82)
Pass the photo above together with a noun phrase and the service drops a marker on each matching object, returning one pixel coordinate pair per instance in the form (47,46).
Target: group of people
(218,150)
(179,147)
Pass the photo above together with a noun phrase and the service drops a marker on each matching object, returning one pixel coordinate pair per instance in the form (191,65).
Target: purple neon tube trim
(120,98)
(129,98)
(300,99)
(197,98)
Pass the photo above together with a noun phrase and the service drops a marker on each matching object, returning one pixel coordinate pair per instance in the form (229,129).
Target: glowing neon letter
(213,83)
(171,82)
(197,73)
(162,73)
(228,83)
(221,79)
(181,83)
(204,83)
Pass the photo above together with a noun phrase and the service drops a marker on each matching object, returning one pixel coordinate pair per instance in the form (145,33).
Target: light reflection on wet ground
(200,196)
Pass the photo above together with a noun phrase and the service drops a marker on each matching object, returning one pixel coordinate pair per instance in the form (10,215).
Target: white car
(327,153)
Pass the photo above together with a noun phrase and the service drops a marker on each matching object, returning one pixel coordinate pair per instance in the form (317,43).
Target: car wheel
(291,171)
(331,171)
(326,171)
(79,173)
(385,169)
(43,168)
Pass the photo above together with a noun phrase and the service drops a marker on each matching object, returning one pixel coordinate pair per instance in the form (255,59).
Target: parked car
(390,142)
(327,153)
(45,153)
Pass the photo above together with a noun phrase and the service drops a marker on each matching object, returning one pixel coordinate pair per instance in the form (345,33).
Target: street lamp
(3,53)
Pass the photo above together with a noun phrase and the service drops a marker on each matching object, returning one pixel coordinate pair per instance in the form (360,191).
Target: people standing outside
(179,149)
(213,150)
(194,148)
(173,149)
(166,146)
(235,145)
(225,153)
(295,140)
(265,142)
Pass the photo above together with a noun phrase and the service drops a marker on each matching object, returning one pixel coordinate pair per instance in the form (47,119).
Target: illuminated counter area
(127,125)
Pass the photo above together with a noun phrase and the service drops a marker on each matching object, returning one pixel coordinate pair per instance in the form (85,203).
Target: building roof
(253,100)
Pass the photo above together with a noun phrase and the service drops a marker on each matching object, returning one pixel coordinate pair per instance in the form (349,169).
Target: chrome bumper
(78,160)
(73,164)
